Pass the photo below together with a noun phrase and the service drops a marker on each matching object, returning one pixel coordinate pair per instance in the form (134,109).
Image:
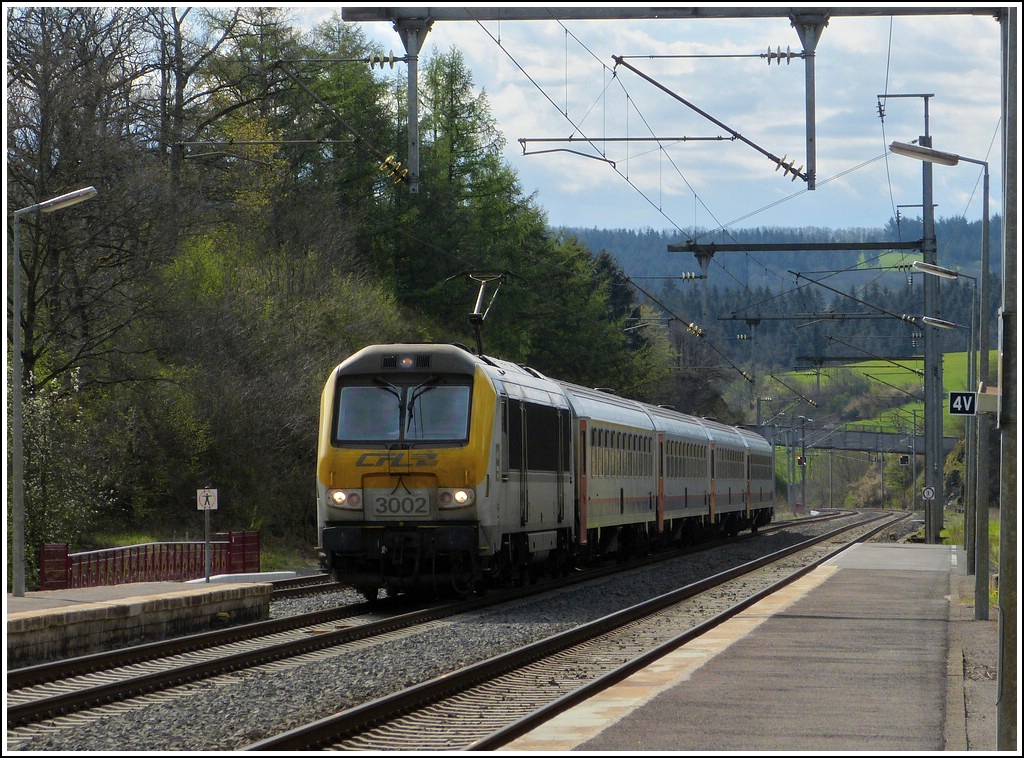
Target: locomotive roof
(525,383)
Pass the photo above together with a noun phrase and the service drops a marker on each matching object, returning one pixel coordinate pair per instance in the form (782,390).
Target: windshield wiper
(421,388)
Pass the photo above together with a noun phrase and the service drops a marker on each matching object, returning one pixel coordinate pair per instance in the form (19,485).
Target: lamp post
(976,468)
(932,352)
(17,417)
(981,500)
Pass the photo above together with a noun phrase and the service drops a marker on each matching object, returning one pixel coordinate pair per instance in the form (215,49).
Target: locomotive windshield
(433,409)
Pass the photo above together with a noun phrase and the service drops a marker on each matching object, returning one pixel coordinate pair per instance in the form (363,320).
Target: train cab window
(439,412)
(427,409)
(366,413)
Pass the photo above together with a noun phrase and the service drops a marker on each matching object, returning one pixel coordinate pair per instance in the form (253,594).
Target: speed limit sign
(928,493)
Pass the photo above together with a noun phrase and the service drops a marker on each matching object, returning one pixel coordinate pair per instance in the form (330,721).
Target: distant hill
(644,253)
(760,295)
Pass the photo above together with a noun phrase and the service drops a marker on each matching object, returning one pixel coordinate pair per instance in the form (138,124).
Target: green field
(954,379)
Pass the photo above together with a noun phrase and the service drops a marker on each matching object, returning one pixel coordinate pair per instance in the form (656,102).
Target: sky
(549,80)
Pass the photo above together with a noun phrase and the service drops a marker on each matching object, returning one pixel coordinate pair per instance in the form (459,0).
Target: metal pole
(413,32)
(1006,703)
(17,380)
(932,361)
(206,518)
(982,427)
(971,439)
(17,422)
(913,462)
(830,504)
(803,469)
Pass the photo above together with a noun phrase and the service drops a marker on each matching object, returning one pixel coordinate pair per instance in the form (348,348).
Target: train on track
(440,470)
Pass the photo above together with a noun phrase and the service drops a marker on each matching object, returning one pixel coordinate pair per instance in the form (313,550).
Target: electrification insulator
(881,112)
(742,336)
(787,168)
(779,55)
(695,330)
(381,59)
(394,169)
(689,276)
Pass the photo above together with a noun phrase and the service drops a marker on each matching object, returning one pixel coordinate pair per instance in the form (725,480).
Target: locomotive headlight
(345,499)
(455,498)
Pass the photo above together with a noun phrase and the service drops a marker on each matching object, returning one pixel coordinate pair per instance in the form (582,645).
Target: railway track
(304,586)
(486,705)
(55,691)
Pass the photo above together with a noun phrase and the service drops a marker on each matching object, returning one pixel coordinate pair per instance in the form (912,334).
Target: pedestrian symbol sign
(963,403)
(206,500)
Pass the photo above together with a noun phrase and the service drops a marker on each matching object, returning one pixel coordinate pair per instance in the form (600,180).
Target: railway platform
(877,650)
(55,624)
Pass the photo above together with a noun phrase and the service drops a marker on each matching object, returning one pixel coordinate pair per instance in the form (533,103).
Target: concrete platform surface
(875,651)
(56,624)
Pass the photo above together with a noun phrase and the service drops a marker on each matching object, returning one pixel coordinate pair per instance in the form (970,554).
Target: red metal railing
(230,553)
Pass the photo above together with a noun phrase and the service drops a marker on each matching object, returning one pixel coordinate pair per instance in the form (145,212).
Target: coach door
(516,455)
(519,410)
(564,430)
(659,472)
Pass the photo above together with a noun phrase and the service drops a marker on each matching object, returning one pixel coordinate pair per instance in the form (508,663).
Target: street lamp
(932,351)
(17,420)
(924,153)
(931,268)
(982,426)
(973,471)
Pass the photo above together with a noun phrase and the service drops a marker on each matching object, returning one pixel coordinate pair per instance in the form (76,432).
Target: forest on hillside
(252,227)
(768,309)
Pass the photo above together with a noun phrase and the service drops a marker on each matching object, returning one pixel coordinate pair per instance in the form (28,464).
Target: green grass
(953,534)
(954,378)
(273,557)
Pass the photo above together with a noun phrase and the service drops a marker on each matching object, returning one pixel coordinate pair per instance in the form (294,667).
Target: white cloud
(541,68)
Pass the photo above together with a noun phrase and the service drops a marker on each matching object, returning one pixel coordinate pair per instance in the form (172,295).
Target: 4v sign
(963,403)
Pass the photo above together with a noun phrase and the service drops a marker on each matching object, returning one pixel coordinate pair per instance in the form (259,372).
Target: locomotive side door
(564,442)
(519,410)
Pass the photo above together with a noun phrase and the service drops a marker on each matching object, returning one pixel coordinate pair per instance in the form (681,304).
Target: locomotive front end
(402,457)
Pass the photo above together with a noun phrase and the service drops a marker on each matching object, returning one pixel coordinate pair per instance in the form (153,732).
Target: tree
(76,79)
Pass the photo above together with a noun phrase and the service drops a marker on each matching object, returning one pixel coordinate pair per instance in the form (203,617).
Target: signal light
(801,461)
(394,169)
(904,460)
